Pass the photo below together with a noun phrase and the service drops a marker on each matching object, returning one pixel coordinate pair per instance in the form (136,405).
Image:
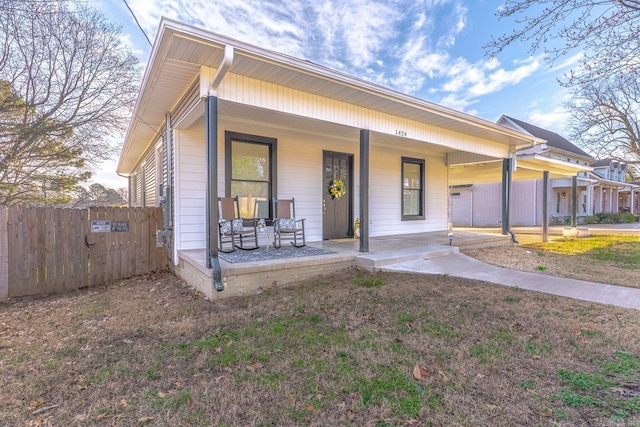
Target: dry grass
(610,259)
(345,349)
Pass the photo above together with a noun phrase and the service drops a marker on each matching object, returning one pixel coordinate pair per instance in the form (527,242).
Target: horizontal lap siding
(385,196)
(300,157)
(190,188)
(279,98)
(150,178)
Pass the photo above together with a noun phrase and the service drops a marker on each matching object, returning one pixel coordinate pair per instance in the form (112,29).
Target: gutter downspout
(166,199)
(211,148)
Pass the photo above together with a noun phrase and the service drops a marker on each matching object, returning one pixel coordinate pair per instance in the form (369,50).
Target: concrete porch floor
(252,277)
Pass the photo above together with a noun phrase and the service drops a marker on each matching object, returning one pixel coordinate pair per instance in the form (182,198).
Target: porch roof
(528,167)
(180,50)
(608,182)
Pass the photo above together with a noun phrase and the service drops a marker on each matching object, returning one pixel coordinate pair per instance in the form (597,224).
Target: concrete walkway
(460,265)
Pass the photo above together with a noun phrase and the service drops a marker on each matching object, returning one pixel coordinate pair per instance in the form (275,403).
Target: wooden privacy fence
(47,250)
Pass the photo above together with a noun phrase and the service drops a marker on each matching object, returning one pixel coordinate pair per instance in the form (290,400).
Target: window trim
(229,138)
(421,163)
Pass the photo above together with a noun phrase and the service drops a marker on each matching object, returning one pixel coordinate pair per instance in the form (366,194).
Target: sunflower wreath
(337,189)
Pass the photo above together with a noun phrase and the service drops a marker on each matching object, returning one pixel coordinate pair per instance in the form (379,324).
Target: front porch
(255,276)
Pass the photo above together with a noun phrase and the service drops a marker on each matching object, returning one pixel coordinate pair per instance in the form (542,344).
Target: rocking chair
(285,224)
(234,229)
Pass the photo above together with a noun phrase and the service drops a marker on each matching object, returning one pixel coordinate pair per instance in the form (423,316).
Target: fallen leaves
(255,366)
(420,372)
(37,403)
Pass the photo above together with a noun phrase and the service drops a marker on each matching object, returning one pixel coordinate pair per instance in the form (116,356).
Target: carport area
(466,171)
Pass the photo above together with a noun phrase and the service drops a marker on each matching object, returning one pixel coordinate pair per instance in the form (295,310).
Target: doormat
(263,254)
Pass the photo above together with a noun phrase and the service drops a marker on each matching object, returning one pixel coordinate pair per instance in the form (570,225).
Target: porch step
(374,261)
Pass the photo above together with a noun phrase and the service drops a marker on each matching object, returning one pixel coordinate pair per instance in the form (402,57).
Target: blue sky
(431,49)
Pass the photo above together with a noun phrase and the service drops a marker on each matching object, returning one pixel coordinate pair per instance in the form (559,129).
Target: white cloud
(569,62)
(457,103)
(501,78)
(389,42)
(552,119)
(433,64)
(460,17)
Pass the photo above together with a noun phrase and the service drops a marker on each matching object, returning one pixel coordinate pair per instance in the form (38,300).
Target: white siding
(385,195)
(150,178)
(190,186)
(269,96)
(135,187)
(300,157)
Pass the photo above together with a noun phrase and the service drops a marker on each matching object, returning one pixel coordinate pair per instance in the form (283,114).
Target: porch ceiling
(528,167)
(180,50)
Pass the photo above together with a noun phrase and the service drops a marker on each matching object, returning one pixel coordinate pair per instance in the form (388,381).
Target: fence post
(4,255)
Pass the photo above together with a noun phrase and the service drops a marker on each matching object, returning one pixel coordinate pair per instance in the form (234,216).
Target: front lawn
(350,349)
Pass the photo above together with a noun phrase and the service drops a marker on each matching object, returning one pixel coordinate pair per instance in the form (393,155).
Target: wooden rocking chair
(234,229)
(286,225)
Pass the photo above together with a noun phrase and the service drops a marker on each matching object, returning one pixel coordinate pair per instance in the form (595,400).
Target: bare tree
(606,31)
(606,103)
(98,195)
(605,117)
(67,85)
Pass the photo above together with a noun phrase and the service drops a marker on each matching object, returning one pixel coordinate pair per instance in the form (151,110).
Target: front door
(337,204)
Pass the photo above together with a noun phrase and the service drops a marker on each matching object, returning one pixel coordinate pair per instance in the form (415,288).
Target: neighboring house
(219,117)
(600,187)
(612,193)
(479,204)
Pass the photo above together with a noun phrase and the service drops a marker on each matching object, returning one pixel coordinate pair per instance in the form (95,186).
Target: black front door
(337,205)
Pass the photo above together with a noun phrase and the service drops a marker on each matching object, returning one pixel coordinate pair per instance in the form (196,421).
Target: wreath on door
(337,189)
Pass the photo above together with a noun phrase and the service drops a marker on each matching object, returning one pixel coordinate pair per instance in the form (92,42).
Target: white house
(219,117)
(478,204)
(600,186)
(612,193)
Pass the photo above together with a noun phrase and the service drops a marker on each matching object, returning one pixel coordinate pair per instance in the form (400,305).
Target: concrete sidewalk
(460,265)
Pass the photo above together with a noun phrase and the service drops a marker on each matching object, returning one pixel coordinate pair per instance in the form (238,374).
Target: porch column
(506,195)
(632,204)
(610,200)
(574,201)
(545,206)
(364,190)
(212,216)
(601,200)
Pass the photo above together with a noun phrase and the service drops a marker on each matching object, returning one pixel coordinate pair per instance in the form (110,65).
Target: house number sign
(401,132)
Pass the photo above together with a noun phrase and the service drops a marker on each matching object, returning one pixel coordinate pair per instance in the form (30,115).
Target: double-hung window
(250,165)
(412,189)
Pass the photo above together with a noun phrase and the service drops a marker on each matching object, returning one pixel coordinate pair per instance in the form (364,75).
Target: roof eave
(168,29)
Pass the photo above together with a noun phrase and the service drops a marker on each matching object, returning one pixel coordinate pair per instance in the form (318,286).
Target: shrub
(610,218)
